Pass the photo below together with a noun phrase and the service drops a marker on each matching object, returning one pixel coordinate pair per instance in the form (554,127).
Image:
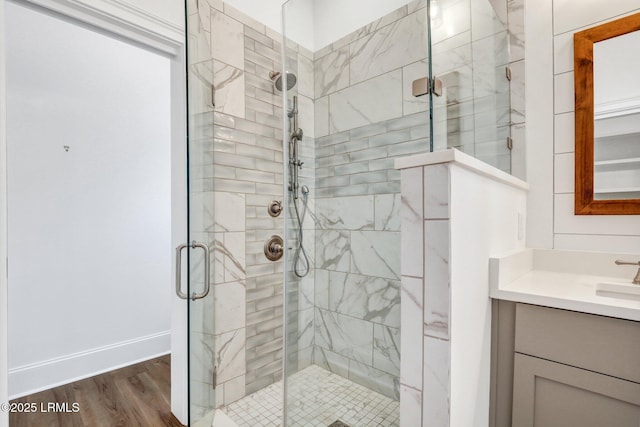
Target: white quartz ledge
(518,277)
(451,155)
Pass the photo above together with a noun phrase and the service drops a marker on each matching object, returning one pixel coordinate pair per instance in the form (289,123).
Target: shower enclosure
(294,202)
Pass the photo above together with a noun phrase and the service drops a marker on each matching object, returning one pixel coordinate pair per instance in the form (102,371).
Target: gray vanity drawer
(597,343)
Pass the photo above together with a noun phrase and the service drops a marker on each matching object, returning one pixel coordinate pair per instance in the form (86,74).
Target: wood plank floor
(137,395)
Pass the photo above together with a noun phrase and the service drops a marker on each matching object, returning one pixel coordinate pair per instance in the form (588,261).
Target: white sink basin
(619,290)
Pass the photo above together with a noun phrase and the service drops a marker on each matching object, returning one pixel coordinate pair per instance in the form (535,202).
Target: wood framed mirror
(607,118)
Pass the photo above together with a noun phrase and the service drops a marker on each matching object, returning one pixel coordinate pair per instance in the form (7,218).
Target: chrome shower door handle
(179,292)
(207,278)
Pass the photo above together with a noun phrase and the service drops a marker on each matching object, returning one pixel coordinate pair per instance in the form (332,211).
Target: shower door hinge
(214,377)
(436,86)
(425,86)
(509,143)
(421,87)
(508,73)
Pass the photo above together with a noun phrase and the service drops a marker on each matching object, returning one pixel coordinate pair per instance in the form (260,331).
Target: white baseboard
(28,379)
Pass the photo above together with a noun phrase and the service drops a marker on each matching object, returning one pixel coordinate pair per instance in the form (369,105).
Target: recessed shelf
(618,161)
(617,190)
(617,164)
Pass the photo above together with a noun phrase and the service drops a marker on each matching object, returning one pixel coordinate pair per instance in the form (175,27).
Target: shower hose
(304,259)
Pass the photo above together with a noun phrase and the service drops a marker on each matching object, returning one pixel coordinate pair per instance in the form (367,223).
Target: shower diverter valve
(273,248)
(275,208)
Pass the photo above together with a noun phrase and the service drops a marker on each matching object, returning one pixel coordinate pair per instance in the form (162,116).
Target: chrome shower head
(276,79)
(305,190)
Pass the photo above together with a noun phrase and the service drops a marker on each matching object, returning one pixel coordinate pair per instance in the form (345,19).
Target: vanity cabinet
(551,394)
(553,367)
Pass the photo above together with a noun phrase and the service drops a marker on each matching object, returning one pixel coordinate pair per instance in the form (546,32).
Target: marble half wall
(445,284)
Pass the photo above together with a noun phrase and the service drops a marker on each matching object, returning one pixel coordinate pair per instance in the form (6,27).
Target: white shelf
(622,107)
(617,190)
(631,160)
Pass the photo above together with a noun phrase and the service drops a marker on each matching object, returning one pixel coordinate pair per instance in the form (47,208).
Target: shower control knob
(275,208)
(274,248)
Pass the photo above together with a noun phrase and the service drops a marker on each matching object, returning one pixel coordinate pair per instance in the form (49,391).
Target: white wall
(4,395)
(484,222)
(171,11)
(89,229)
(316,23)
(455,216)
(267,12)
(337,18)
(299,22)
(550,25)
(539,129)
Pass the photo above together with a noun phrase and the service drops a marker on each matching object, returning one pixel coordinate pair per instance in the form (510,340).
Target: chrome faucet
(636,280)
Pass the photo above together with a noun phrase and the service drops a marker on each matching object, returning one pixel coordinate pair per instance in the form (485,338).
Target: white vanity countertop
(518,277)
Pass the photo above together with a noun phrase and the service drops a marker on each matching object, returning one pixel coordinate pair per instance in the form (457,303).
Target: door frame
(118,18)
(4,369)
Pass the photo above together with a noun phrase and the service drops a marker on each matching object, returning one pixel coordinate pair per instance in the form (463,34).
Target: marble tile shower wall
(237,164)
(365,117)
(300,298)
(358,115)
(426,368)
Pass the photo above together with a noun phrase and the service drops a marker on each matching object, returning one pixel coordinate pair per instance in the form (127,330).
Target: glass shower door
(197,253)
(235,175)
(200,293)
